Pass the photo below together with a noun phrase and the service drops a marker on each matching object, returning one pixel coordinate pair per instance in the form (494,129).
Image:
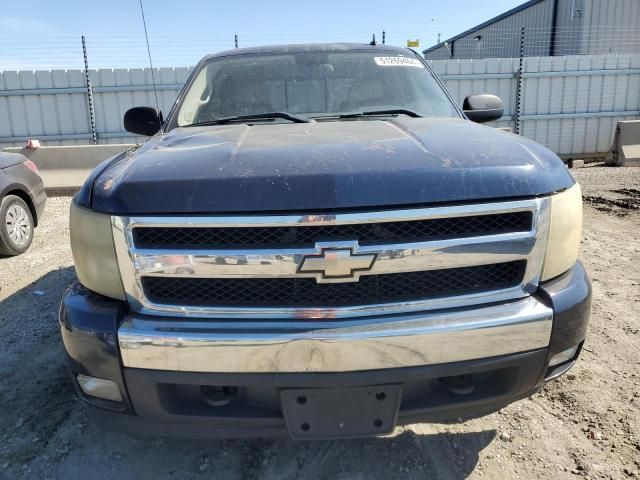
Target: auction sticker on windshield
(398,62)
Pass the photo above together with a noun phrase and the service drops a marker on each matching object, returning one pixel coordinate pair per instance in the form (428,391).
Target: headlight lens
(94,253)
(564,233)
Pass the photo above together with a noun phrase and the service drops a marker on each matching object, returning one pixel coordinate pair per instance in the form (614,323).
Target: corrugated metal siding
(23,115)
(439,53)
(622,13)
(110,106)
(589,95)
(502,39)
(470,76)
(570,104)
(610,26)
(62,112)
(569,28)
(582,27)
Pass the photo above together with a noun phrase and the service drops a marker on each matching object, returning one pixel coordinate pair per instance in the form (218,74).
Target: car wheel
(16,226)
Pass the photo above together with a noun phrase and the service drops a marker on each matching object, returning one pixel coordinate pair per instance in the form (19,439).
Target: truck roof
(307,47)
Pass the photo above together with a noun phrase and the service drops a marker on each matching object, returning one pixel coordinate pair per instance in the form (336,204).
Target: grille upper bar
(405,231)
(315,219)
(528,246)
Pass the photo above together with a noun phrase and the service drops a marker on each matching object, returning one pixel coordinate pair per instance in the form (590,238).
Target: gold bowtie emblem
(337,264)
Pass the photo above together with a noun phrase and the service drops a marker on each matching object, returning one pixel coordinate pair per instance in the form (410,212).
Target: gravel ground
(585,424)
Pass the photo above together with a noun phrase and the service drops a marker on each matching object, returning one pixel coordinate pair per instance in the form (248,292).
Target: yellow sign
(413,43)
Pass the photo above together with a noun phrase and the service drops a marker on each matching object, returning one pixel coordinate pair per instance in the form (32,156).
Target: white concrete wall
(67,167)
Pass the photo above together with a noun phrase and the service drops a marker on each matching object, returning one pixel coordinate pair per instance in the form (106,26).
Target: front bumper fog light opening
(100,388)
(563,356)
(561,362)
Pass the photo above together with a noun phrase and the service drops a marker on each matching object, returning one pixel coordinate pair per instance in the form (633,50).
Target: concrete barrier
(65,168)
(625,151)
(576,163)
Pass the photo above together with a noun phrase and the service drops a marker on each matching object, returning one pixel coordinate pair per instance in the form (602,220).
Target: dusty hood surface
(324,165)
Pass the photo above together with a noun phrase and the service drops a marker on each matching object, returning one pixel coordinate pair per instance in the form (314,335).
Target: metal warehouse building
(552,27)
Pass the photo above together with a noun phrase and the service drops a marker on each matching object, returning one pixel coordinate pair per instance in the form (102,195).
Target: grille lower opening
(307,293)
(306,236)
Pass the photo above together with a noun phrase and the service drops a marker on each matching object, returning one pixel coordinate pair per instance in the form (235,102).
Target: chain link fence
(493,42)
(569,101)
(66,52)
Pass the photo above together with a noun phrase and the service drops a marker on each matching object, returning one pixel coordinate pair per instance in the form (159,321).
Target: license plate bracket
(331,413)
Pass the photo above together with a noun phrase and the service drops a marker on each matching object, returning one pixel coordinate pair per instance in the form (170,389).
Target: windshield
(312,84)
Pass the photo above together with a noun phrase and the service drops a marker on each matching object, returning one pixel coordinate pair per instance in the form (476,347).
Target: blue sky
(45,34)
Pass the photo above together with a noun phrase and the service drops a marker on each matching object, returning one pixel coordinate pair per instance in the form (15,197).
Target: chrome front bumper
(271,346)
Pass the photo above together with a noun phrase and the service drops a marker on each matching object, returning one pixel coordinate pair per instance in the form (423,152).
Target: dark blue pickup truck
(317,241)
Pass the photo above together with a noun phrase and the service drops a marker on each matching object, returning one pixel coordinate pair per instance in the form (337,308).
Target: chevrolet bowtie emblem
(337,263)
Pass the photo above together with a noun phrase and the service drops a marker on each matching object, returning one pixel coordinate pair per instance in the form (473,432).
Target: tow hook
(459,384)
(218,396)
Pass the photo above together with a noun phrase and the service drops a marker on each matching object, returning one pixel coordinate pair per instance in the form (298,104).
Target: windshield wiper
(255,116)
(373,113)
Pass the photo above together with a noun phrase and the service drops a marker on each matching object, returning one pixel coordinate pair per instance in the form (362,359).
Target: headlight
(93,252)
(564,233)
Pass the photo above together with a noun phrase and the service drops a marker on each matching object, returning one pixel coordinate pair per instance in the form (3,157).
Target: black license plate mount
(332,413)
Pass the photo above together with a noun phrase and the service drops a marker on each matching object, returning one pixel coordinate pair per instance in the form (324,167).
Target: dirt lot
(585,424)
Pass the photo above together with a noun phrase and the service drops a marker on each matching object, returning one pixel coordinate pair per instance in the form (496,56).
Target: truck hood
(323,166)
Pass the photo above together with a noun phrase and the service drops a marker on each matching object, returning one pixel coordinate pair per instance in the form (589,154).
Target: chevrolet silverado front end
(318,242)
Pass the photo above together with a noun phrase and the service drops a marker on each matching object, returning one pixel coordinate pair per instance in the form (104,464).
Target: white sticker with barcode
(398,62)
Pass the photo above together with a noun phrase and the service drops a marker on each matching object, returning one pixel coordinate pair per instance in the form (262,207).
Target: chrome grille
(304,236)
(427,258)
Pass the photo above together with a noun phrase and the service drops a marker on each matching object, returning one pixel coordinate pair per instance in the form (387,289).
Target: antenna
(153,79)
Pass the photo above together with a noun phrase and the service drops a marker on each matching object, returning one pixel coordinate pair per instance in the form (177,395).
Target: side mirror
(143,121)
(483,108)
